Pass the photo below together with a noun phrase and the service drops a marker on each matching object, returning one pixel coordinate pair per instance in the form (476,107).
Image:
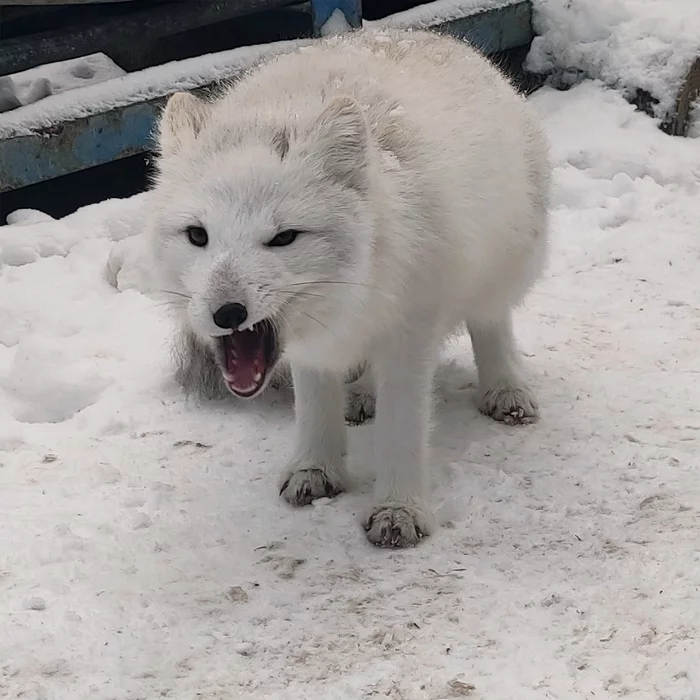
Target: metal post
(321,11)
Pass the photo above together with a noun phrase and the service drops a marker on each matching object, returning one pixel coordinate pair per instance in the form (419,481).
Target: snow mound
(34,241)
(628,44)
(34,235)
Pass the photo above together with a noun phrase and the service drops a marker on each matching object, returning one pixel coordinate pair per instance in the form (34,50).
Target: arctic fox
(353,204)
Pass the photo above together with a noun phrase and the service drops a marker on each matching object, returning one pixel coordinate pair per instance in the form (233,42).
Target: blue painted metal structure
(150,24)
(496,30)
(104,137)
(76,145)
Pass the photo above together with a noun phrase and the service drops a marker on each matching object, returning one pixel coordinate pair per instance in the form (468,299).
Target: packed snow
(432,14)
(38,83)
(630,44)
(145,552)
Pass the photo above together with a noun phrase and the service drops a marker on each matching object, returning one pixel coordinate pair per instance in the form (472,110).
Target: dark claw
(307,491)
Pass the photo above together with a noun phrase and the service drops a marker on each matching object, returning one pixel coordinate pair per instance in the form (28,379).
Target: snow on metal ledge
(70,143)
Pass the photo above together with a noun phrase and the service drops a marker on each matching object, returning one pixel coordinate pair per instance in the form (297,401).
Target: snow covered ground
(144,552)
(629,44)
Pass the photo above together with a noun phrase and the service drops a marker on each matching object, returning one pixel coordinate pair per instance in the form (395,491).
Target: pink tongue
(245,359)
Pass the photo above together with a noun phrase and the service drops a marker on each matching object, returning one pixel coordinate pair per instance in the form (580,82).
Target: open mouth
(249,356)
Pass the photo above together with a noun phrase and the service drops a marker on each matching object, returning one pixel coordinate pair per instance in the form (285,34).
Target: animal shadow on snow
(457,421)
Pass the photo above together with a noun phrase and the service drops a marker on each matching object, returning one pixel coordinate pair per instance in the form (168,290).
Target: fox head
(261,227)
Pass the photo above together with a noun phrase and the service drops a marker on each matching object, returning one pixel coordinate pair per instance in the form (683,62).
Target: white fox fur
(419,181)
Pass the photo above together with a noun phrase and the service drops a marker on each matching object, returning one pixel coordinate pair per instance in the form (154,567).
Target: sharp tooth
(257,377)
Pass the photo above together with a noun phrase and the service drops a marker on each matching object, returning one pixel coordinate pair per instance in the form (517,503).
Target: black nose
(230,316)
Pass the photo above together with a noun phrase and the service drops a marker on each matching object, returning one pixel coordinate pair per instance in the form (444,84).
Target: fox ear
(340,139)
(182,120)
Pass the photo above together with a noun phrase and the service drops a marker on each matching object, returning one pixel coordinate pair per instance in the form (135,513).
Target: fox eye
(197,235)
(283,238)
